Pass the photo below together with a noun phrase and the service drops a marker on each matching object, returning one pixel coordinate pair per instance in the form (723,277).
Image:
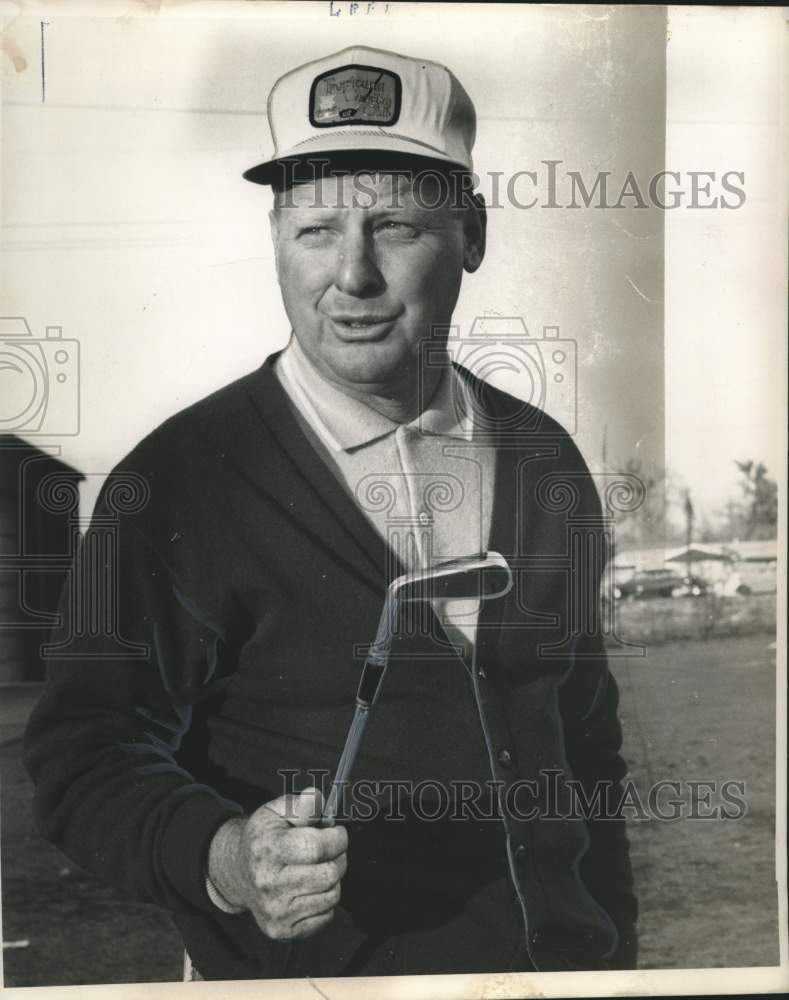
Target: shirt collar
(344,422)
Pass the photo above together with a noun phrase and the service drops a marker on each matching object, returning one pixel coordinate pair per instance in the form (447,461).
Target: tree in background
(649,525)
(756,516)
(669,514)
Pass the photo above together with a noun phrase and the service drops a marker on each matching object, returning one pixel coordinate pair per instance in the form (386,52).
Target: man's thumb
(299,810)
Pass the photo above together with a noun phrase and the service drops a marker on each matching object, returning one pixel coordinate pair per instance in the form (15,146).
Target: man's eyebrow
(424,217)
(426,214)
(317,211)
(383,207)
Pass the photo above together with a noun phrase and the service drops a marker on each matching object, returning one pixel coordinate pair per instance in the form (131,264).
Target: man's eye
(399,229)
(313,231)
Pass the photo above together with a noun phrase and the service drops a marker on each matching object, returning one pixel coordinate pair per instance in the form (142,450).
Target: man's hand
(281,866)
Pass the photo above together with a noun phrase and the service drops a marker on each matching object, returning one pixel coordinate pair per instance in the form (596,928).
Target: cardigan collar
(315,497)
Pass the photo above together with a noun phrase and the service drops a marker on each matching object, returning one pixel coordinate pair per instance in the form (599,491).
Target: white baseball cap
(363,99)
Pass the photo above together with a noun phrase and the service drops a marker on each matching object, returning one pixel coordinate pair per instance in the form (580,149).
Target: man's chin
(372,364)
(371,359)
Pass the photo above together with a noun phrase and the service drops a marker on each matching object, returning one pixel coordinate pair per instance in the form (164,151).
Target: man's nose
(358,273)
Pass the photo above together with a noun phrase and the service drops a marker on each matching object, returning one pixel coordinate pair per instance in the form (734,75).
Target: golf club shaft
(352,741)
(378,656)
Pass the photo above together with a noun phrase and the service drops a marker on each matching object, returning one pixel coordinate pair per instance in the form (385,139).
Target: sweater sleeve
(593,738)
(132,659)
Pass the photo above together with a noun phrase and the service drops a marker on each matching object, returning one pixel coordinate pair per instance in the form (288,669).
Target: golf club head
(480,577)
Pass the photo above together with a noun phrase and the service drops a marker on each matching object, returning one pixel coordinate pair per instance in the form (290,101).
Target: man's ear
(475,222)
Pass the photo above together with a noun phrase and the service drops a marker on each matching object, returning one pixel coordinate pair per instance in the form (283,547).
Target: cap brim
(347,150)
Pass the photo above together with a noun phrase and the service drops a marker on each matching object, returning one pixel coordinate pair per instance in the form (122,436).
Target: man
(179,760)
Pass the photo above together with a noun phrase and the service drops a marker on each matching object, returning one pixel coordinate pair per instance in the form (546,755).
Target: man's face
(367,271)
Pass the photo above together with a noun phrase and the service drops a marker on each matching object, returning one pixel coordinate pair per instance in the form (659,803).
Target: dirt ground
(691,711)
(704,711)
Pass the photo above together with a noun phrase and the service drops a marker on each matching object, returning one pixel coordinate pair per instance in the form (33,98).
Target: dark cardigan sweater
(245,584)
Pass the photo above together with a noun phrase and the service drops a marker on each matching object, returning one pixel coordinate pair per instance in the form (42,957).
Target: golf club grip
(352,741)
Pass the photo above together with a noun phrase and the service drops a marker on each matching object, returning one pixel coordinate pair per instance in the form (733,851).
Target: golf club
(474,577)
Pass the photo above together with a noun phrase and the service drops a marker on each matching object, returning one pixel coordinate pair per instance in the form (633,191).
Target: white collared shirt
(426,486)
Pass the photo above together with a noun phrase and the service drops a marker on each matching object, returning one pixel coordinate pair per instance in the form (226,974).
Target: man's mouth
(362,326)
(361,322)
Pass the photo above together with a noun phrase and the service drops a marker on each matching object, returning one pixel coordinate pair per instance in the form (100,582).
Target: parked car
(649,583)
(691,586)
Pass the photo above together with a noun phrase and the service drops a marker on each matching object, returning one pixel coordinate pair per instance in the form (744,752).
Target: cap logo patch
(355,95)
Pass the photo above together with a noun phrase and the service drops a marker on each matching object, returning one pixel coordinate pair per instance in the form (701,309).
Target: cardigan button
(520,853)
(504,758)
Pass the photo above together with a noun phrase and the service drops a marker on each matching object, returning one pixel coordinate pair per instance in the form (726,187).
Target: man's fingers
(297,810)
(308,808)
(309,845)
(295,865)
(314,904)
(302,879)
